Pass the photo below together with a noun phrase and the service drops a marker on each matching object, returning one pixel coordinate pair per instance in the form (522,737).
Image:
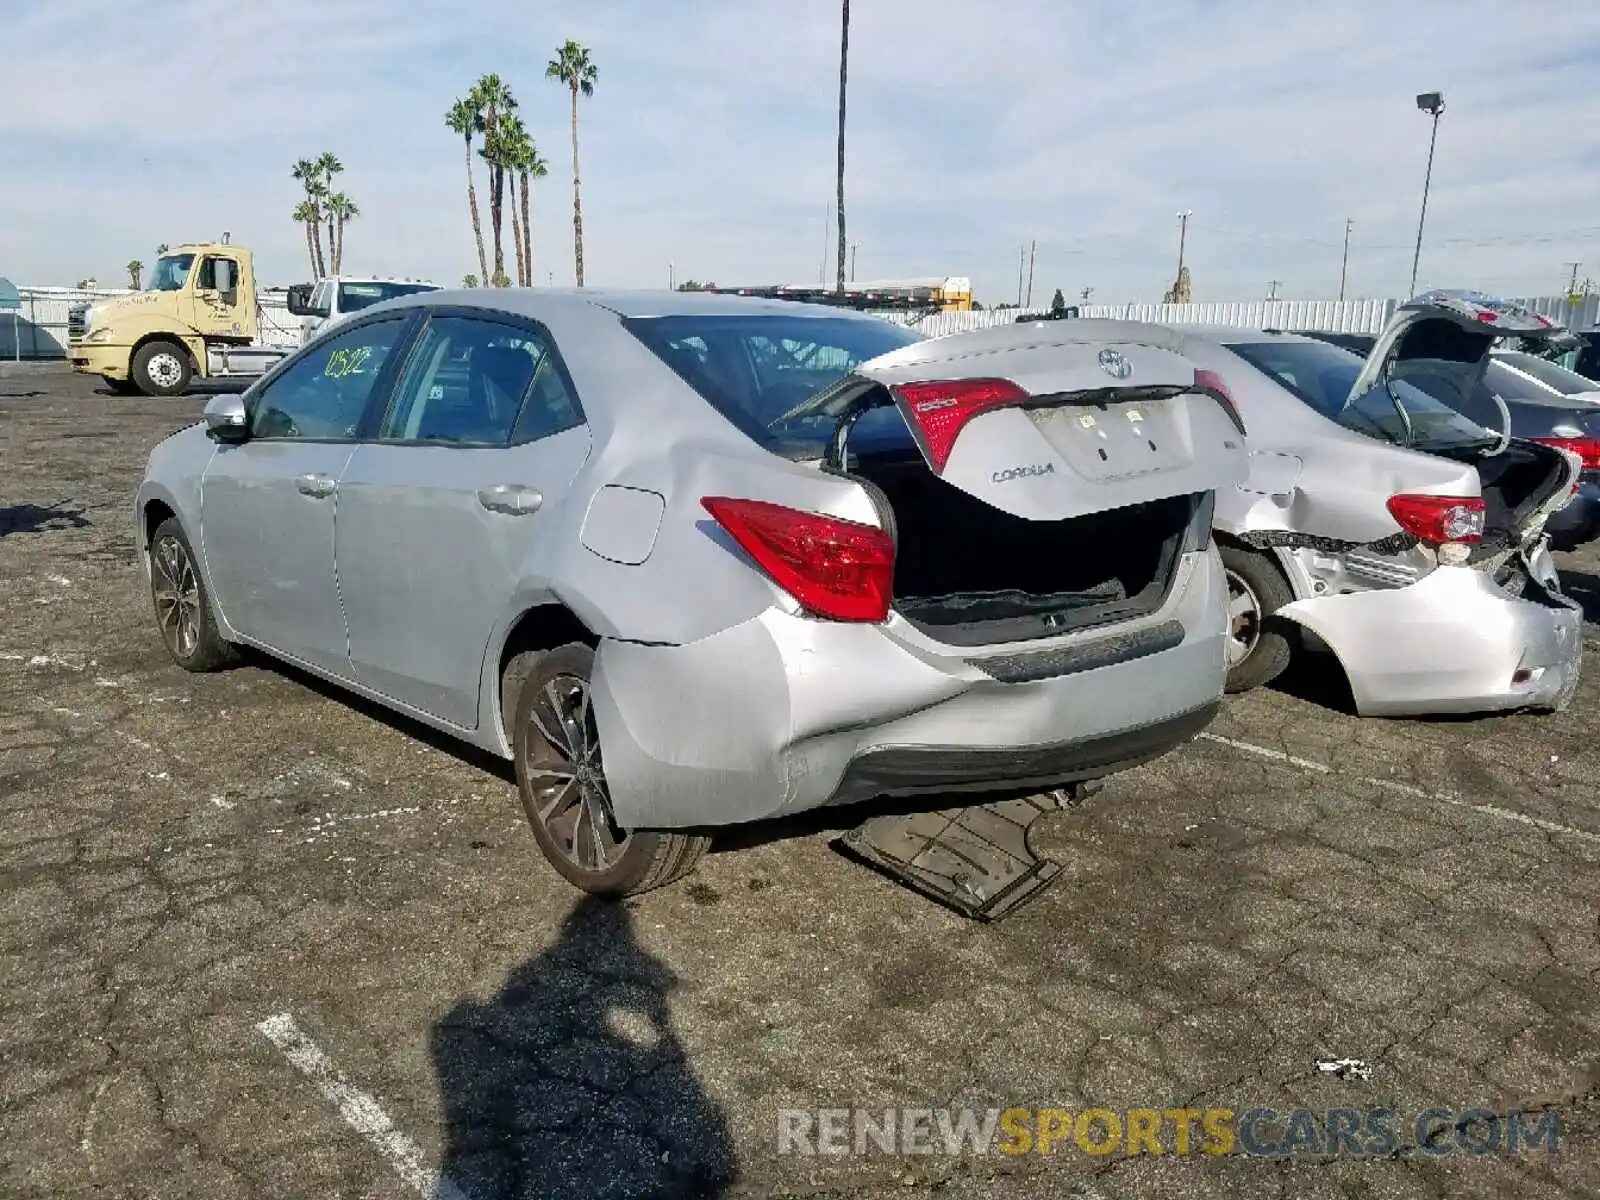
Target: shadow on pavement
(571,1082)
(36,518)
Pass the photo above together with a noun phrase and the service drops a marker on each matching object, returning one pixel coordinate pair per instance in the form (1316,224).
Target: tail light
(1440,519)
(1586,448)
(1211,383)
(939,411)
(835,569)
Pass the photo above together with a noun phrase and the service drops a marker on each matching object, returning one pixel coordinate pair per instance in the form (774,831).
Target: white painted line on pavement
(359,1110)
(1486,810)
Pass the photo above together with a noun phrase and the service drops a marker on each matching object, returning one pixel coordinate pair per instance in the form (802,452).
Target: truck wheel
(120,387)
(562,782)
(161,369)
(1257,652)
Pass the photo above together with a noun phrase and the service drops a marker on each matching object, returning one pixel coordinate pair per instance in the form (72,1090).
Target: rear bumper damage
(784,713)
(1453,642)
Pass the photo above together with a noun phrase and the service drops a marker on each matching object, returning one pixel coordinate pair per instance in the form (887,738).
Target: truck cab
(197,317)
(334,297)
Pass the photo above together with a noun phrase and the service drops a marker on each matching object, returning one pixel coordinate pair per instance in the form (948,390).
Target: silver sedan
(696,560)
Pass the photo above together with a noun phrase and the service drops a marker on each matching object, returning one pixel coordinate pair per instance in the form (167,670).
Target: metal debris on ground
(977,860)
(1345,1068)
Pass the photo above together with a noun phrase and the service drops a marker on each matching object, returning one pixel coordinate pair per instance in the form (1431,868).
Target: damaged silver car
(1390,517)
(695,560)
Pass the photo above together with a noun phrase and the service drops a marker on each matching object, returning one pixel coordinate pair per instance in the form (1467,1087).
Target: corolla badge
(1114,364)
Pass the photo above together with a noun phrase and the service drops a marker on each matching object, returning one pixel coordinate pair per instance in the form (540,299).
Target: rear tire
(161,369)
(184,614)
(1258,651)
(561,780)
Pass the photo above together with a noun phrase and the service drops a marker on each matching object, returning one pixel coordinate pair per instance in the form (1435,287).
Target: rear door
(1058,421)
(439,512)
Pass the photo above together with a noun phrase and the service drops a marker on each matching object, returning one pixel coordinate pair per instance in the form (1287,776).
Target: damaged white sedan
(1381,523)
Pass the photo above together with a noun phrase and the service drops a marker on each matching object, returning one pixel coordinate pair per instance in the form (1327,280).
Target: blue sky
(708,149)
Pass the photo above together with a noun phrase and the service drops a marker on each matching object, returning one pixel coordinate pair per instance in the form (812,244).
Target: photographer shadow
(570,1081)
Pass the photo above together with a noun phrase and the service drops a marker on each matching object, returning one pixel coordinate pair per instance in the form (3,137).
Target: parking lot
(263,940)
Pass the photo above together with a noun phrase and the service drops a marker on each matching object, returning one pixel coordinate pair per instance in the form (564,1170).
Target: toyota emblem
(1114,364)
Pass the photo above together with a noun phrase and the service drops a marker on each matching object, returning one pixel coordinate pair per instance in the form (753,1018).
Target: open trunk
(968,573)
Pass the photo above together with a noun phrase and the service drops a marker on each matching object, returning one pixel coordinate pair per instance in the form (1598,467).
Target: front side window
(754,369)
(170,272)
(322,394)
(478,382)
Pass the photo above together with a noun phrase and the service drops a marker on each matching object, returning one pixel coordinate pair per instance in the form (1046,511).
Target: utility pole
(1431,103)
(1273,285)
(1086,293)
(1183,236)
(672,278)
(853,246)
(1033,248)
(1572,288)
(1022,262)
(1344,262)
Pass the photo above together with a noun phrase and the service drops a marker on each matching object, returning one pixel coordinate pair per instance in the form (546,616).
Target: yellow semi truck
(198,317)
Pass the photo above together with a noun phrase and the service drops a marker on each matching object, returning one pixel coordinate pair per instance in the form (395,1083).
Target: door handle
(319,487)
(514,499)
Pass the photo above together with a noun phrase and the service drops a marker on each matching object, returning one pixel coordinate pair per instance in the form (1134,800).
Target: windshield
(1568,383)
(354,296)
(1321,375)
(753,369)
(170,272)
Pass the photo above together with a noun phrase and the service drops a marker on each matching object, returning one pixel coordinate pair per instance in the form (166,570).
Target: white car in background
(335,297)
(1526,376)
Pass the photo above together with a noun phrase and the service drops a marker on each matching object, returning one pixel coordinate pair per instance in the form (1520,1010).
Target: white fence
(41,330)
(1342,316)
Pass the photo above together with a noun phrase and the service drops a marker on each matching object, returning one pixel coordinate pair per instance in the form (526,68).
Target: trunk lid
(1053,421)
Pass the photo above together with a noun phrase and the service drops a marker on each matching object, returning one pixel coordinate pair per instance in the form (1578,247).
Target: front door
(217,305)
(439,513)
(267,505)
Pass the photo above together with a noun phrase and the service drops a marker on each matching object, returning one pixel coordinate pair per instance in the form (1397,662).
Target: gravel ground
(263,940)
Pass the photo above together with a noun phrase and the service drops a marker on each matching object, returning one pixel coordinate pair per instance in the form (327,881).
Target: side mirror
(225,418)
(299,300)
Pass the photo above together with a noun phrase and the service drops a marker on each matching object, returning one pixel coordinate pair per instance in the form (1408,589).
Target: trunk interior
(969,574)
(1515,484)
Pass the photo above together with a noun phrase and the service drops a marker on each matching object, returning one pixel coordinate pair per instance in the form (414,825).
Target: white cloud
(709,145)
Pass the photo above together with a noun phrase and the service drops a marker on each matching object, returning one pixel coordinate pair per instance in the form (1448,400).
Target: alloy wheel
(566,777)
(177,594)
(1244,620)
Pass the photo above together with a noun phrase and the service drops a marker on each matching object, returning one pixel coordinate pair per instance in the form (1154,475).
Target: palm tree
(502,153)
(572,66)
(493,99)
(529,167)
(306,213)
(135,271)
(469,281)
(340,209)
(162,249)
(328,165)
(465,119)
(844,76)
(309,172)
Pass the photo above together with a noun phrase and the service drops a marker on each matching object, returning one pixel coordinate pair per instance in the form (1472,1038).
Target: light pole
(1431,103)
(1183,236)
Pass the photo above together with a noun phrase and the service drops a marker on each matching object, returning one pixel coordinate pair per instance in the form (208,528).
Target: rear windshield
(753,369)
(353,296)
(1568,383)
(1322,375)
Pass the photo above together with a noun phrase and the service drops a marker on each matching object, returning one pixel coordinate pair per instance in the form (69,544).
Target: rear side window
(474,382)
(754,369)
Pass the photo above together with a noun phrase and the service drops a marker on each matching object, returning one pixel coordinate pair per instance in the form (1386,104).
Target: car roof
(1227,334)
(544,302)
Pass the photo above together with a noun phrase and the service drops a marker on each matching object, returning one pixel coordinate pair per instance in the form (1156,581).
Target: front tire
(161,369)
(183,606)
(1258,651)
(561,779)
